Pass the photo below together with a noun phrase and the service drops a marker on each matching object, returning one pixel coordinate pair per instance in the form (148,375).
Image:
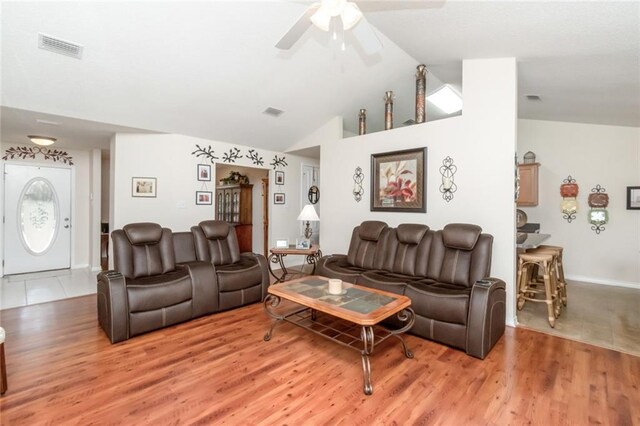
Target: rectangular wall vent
(533,97)
(275,112)
(59,46)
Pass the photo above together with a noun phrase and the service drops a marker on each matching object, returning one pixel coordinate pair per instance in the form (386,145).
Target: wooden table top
(294,250)
(361,305)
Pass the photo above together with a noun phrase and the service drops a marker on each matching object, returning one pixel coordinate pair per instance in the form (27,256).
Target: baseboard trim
(96,269)
(615,283)
(81,266)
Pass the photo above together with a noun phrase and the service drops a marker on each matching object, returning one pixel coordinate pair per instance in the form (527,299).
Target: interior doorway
(245,204)
(37,212)
(311,178)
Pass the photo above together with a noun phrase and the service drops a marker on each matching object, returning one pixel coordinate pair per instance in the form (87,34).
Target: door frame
(72,250)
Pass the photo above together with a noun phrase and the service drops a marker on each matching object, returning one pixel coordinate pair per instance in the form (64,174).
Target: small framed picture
(633,197)
(204,172)
(145,187)
(283,243)
(278,198)
(303,243)
(279,178)
(204,198)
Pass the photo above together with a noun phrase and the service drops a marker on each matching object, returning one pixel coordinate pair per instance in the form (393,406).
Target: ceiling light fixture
(348,12)
(446,99)
(42,140)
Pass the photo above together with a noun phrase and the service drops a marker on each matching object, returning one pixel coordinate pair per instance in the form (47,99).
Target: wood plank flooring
(218,370)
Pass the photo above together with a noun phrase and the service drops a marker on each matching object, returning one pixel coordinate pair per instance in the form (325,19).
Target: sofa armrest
(204,287)
(486,320)
(264,268)
(113,308)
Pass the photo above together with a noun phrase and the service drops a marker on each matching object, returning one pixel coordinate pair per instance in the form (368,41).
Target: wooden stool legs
(3,370)
(528,289)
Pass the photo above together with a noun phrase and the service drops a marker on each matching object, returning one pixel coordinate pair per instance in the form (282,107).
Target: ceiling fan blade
(367,37)
(299,28)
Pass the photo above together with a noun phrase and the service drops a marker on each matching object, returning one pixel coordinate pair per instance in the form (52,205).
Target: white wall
(591,154)
(168,158)
(104,200)
(81,209)
(482,145)
(255,176)
(329,131)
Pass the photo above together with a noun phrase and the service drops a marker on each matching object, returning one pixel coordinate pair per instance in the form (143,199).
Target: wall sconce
(358,191)
(448,186)
(598,215)
(569,204)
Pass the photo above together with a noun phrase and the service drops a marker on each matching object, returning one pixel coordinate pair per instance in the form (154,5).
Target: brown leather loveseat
(445,273)
(162,278)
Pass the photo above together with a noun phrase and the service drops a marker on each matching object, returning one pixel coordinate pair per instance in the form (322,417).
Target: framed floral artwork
(399,180)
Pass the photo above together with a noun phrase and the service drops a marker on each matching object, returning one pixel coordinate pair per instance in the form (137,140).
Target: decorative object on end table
(308,214)
(398,181)
(388,110)
(303,243)
(144,187)
(598,214)
(204,198)
(279,178)
(448,186)
(204,172)
(421,87)
(278,198)
(362,122)
(633,197)
(358,190)
(282,243)
(569,203)
(313,195)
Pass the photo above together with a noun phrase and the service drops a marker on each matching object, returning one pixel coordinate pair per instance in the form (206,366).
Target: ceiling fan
(335,17)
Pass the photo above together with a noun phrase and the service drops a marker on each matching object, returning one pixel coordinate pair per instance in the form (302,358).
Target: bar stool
(528,289)
(559,268)
(3,367)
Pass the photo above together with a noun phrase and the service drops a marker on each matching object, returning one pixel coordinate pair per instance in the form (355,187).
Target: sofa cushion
(461,236)
(239,275)
(143,233)
(150,293)
(411,233)
(439,301)
(339,268)
(385,280)
(371,230)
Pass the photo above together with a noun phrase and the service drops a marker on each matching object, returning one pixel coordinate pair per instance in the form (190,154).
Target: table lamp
(308,214)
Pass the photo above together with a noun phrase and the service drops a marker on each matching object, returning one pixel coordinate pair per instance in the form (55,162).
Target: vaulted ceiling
(209,69)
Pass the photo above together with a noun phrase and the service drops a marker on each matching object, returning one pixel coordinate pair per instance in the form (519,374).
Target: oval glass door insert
(38,216)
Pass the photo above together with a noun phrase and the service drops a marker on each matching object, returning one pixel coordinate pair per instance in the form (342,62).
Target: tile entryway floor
(601,315)
(40,287)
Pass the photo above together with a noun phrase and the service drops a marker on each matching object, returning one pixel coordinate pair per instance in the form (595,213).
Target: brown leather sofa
(445,273)
(162,278)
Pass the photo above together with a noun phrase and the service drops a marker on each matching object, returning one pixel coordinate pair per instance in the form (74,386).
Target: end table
(277,255)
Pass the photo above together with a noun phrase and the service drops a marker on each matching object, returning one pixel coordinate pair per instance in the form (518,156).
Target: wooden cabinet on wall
(234,204)
(528,184)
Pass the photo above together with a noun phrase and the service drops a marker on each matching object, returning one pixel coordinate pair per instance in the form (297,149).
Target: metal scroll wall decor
(362,122)
(517,180)
(24,153)
(421,87)
(448,186)
(598,215)
(569,193)
(388,110)
(358,190)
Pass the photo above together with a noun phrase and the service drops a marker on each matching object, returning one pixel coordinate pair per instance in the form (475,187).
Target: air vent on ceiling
(409,122)
(59,46)
(274,112)
(47,122)
(533,97)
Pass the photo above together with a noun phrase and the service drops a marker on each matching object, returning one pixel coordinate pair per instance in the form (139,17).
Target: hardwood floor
(218,370)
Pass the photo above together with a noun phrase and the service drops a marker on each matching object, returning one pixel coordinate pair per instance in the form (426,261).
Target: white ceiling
(209,69)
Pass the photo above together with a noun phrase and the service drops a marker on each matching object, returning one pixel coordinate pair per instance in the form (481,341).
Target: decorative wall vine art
(421,87)
(24,152)
(569,204)
(598,215)
(205,152)
(362,122)
(448,186)
(255,158)
(278,162)
(358,190)
(388,110)
(231,156)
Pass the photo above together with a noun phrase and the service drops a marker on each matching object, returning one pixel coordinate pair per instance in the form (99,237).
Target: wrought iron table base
(365,344)
(311,259)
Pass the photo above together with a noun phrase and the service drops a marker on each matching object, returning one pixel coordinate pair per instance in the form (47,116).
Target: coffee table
(352,319)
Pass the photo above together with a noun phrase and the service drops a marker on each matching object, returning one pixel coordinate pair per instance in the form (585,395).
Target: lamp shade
(308,213)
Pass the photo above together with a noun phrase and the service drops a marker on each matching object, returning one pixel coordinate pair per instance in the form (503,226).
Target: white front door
(37,218)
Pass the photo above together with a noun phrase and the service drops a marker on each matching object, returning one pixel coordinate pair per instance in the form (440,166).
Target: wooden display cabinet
(528,184)
(234,204)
